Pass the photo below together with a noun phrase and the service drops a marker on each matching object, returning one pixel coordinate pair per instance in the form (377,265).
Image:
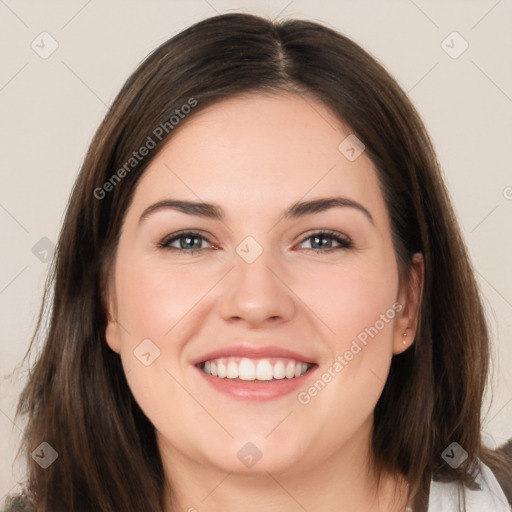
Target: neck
(344,482)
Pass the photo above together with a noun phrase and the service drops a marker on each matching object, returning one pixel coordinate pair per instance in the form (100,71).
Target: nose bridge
(254,291)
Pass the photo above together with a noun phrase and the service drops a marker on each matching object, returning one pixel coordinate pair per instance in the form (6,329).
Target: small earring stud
(403,339)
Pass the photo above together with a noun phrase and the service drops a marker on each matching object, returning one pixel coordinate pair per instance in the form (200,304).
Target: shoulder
(501,466)
(18,503)
(491,488)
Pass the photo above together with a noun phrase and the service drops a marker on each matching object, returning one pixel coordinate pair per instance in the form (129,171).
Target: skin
(255,155)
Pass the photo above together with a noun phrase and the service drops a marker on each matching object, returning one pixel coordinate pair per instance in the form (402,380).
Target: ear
(410,298)
(112,331)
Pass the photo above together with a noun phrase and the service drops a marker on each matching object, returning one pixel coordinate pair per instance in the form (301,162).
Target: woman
(261,298)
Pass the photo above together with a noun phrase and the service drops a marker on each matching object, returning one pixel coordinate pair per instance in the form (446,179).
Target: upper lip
(253,352)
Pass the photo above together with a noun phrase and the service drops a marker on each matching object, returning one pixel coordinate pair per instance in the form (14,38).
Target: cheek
(153,298)
(357,308)
(351,298)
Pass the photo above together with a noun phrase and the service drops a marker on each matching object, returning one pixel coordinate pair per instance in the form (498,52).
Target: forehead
(259,151)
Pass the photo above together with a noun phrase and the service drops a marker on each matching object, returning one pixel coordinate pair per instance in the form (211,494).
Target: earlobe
(112,334)
(410,297)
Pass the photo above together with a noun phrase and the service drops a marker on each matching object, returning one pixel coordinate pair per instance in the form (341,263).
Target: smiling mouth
(257,370)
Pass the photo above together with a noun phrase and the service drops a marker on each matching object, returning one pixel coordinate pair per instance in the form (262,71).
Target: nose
(257,294)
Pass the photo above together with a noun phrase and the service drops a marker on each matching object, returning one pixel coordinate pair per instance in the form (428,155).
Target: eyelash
(345,243)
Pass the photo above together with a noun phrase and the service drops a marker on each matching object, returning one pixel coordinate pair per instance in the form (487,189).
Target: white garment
(445,496)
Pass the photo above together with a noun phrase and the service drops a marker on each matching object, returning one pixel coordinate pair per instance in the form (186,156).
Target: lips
(248,372)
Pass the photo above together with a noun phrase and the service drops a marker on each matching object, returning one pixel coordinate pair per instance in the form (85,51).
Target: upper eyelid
(181,234)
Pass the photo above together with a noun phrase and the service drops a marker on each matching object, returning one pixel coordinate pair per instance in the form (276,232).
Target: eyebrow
(296,210)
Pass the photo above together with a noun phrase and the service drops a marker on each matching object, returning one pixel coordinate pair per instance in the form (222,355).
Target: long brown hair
(77,398)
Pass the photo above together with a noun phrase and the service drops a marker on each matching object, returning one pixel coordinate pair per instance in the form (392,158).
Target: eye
(322,241)
(188,241)
(192,241)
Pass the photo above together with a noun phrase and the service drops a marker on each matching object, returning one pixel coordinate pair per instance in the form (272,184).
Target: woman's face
(257,290)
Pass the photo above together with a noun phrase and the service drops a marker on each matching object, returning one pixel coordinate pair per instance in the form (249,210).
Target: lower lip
(257,390)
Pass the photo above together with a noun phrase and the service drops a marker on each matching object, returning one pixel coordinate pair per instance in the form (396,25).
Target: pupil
(326,241)
(186,240)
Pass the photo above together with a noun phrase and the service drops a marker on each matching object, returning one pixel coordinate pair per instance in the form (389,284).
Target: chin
(258,456)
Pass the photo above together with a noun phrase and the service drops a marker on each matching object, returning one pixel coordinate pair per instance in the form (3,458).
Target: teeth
(290,370)
(232,370)
(221,370)
(246,370)
(279,370)
(251,369)
(263,370)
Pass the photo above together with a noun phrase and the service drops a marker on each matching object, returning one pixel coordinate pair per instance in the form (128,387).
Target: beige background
(51,108)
